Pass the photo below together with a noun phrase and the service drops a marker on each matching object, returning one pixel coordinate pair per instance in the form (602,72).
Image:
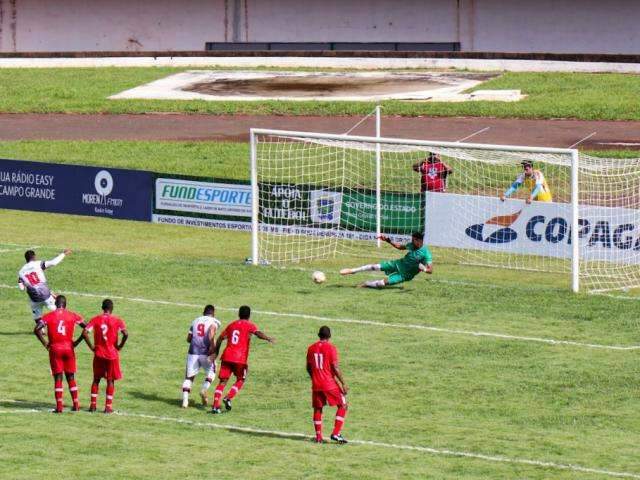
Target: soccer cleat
(203,397)
(227,403)
(185,403)
(75,408)
(318,440)
(339,439)
(215,411)
(56,410)
(109,410)
(92,409)
(346,271)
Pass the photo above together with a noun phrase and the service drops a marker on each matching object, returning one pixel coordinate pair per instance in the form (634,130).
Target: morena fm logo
(502,235)
(103,183)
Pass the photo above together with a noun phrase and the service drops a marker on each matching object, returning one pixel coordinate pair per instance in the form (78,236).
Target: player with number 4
(234,358)
(60,325)
(106,328)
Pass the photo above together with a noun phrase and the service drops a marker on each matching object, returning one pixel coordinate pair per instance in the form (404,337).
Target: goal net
(321,196)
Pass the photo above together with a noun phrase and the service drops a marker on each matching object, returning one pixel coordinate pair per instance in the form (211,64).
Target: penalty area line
(369,443)
(353,321)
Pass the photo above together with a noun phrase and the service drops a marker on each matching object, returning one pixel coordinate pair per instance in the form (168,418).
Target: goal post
(318,196)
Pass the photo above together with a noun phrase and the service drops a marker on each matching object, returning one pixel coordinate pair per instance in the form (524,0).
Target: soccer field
(470,373)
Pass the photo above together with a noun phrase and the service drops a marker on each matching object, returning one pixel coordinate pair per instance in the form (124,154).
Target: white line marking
(502,336)
(621,144)
(473,134)
(583,139)
(19,249)
(394,446)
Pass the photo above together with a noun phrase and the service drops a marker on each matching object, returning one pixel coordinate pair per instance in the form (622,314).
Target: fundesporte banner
(212,198)
(542,228)
(75,189)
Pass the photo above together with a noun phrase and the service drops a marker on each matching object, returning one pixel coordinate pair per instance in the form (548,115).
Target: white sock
(365,268)
(186,389)
(374,283)
(206,384)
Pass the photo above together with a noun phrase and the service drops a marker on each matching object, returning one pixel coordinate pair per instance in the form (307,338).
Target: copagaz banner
(102,192)
(542,228)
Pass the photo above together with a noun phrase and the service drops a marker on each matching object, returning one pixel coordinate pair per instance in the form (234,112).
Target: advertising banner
(400,213)
(227,199)
(542,228)
(80,190)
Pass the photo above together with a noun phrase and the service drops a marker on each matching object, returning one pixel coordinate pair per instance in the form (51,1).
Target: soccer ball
(318,277)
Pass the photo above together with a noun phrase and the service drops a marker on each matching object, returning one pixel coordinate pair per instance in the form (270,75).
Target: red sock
(337,426)
(111,389)
(94,395)
(235,389)
(57,391)
(73,389)
(217,396)
(317,423)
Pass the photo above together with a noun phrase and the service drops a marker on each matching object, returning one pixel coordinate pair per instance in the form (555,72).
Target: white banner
(541,228)
(203,197)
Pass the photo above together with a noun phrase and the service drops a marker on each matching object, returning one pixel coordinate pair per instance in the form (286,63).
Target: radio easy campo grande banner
(75,189)
(542,228)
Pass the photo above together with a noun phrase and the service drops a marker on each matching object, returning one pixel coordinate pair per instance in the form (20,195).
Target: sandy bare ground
(554,133)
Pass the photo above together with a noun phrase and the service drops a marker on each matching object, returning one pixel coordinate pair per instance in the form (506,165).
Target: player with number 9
(106,328)
(200,338)
(234,358)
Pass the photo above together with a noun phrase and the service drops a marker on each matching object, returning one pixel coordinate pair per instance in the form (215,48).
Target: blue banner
(79,190)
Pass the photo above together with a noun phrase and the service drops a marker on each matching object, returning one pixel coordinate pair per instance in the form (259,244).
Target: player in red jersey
(323,368)
(234,358)
(106,359)
(434,173)
(60,325)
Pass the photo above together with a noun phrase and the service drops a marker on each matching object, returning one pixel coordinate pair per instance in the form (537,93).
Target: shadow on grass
(9,334)
(154,397)
(18,404)
(280,435)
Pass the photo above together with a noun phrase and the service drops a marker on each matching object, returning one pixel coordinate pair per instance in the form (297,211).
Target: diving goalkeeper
(418,259)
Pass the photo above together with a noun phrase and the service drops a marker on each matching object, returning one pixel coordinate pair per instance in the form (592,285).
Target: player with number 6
(234,358)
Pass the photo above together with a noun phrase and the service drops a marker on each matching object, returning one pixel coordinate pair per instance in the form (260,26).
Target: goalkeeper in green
(418,259)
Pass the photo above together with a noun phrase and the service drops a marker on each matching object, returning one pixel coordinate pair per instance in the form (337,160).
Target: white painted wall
(560,26)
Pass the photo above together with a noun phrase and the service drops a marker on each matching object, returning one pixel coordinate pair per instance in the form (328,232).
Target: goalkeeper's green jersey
(408,265)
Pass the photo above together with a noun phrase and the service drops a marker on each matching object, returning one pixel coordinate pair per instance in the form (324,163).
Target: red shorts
(106,368)
(62,361)
(238,369)
(320,398)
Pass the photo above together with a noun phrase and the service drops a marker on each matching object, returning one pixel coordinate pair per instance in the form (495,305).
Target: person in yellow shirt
(534,181)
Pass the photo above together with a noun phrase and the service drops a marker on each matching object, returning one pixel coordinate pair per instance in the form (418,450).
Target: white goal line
(370,443)
(501,336)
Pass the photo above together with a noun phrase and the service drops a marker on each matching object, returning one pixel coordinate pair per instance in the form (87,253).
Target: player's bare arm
(309,370)
(215,348)
(78,340)
(416,166)
(87,339)
(189,337)
(397,246)
(338,374)
(38,332)
(262,336)
(123,339)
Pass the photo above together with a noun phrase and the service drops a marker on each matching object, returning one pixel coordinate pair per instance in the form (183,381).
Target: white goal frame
(575,159)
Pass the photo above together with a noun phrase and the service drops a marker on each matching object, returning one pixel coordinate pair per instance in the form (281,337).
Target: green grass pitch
(452,376)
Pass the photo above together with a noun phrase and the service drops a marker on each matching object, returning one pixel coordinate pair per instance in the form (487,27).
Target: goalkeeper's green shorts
(392,272)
